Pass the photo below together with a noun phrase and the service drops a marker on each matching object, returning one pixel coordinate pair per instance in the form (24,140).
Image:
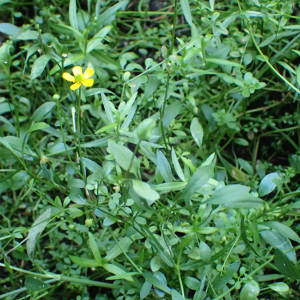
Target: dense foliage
(149,149)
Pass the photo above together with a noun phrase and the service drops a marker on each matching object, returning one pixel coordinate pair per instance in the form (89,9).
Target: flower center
(78,78)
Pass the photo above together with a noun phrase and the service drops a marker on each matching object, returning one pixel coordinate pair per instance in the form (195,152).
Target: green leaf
(155,263)
(176,295)
(186,240)
(185,6)
(84,262)
(38,126)
(144,190)
(7,266)
(126,276)
(145,290)
(285,266)
(97,39)
(92,166)
(164,167)
(279,287)
(223,62)
(10,29)
(283,230)
(267,185)
(145,129)
(95,248)
(227,194)
(107,127)
(244,236)
(205,252)
(74,212)
(223,278)
(115,251)
(39,66)
(42,111)
(107,108)
(123,157)
(250,291)
(280,242)
(27,35)
(169,187)
(37,228)
(200,177)
(73,14)
(111,12)
(177,166)
(298,75)
(197,132)
(36,285)
(156,282)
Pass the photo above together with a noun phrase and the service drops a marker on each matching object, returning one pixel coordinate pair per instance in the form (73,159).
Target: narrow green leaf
(126,276)
(37,228)
(38,126)
(186,11)
(144,190)
(283,230)
(84,262)
(97,39)
(164,167)
(107,108)
(95,248)
(200,177)
(115,251)
(39,66)
(280,242)
(145,290)
(42,111)
(197,132)
(156,282)
(111,11)
(36,285)
(285,266)
(177,166)
(123,157)
(73,14)
(244,236)
(107,127)
(298,75)
(223,62)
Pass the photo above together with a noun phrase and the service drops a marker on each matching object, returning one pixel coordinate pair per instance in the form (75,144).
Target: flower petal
(75,86)
(68,77)
(88,73)
(88,82)
(77,71)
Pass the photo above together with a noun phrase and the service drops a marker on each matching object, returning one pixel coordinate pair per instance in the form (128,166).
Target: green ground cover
(149,149)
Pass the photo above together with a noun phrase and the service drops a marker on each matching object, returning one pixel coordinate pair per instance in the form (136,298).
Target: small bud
(71,226)
(145,129)
(40,51)
(56,97)
(64,55)
(44,159)
(89,222)
(5,62)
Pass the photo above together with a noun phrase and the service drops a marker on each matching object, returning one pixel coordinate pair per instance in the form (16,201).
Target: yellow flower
(79,78)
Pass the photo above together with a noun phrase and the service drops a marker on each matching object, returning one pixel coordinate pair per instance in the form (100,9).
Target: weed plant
(149,150)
